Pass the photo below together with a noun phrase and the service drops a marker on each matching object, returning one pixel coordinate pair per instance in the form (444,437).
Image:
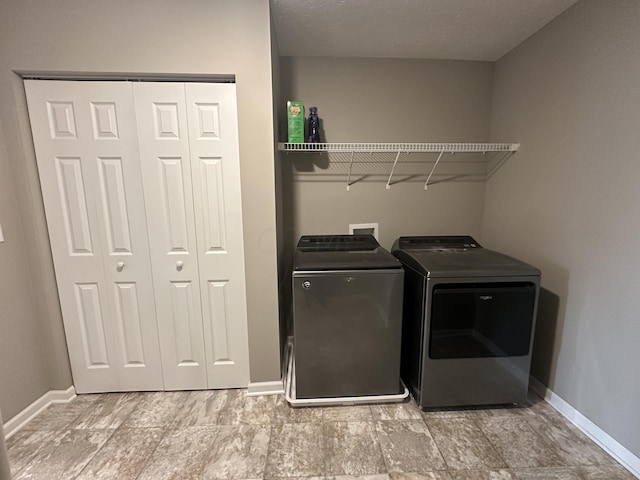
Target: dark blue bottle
(313,130)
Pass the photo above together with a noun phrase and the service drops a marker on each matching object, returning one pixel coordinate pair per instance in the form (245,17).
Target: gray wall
(24,357)
(196,37)
(385,100)
(568,202)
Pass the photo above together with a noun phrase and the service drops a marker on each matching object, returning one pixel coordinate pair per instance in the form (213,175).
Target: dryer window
(475,320)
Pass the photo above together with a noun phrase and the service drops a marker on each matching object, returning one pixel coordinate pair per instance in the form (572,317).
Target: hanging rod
(399,147)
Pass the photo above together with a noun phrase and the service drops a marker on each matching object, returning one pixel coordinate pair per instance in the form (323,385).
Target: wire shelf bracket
(349,177)
(433,169)
(392,170)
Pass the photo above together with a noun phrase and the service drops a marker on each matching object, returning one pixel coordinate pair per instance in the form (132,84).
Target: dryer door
(481,320)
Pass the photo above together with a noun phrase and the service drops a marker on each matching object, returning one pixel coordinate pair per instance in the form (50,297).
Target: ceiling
(435,29)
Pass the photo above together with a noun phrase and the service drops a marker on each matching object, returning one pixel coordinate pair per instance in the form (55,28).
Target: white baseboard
(595,433)
(22,418)
(256,389)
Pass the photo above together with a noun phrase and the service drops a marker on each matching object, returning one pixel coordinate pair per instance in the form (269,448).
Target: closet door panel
(172,188)
(91,324)
(124,236)
(130,326)
(87,154)
(164,155)
(215,162)
(114,204)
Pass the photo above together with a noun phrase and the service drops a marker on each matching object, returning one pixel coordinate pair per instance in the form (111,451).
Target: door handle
(120,266)
(179,265)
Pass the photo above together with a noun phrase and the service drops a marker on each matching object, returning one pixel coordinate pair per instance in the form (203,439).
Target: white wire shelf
(354,152)
(399,147)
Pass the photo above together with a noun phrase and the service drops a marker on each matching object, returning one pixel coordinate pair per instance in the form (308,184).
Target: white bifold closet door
(189,154)
(143,179)
(86,144)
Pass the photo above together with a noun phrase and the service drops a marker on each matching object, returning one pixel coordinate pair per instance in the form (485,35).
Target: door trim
(125,76)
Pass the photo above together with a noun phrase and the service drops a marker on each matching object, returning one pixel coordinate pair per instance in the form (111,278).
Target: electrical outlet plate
(1,235)
(364,229)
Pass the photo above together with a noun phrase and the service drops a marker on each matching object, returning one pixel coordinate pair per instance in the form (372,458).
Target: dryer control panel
(437,242)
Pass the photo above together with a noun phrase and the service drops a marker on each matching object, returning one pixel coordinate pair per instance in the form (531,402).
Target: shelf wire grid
(399,147)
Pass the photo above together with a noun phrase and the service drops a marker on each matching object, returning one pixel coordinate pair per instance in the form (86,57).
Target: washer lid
(342,252)
(453,259)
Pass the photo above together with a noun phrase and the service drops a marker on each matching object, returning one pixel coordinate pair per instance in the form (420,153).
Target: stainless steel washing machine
(347,315)
(469,317)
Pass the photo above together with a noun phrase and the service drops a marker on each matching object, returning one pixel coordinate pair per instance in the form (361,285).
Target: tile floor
(225,435)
